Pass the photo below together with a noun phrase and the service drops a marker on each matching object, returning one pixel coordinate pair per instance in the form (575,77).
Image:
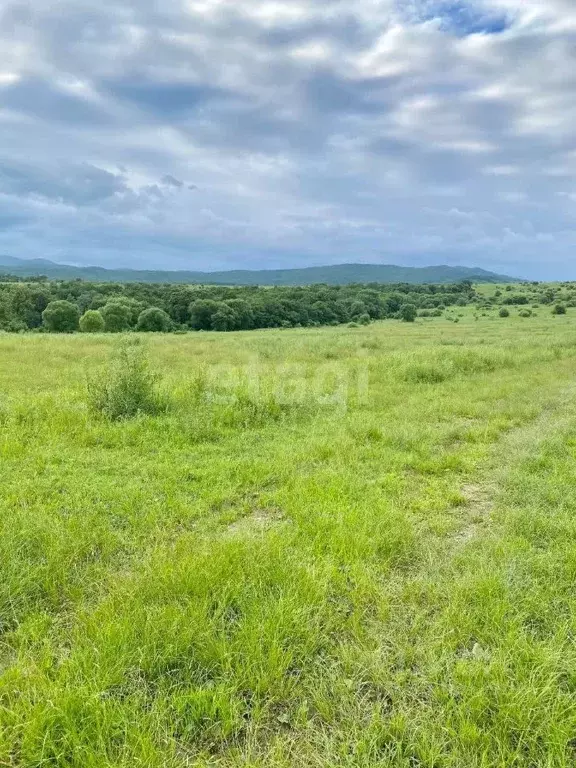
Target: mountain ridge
(336,274)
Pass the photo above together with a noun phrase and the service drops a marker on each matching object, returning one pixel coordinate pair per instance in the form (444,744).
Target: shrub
(559,309)
(15,326)
(116,316)
(504,312)
(92,322)
(154,319)
(126,387)
(408,313)
(364,319)
(525,313)
(61,317)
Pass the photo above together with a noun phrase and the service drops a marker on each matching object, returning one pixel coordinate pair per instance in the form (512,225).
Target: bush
(154,319)
(126,387)
(116,316)
(525,313)
(92,322)
(559,309)
(364,319)
(408,313)
(504,312)
(61,317)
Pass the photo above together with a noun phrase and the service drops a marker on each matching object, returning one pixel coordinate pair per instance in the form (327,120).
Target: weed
(126,387)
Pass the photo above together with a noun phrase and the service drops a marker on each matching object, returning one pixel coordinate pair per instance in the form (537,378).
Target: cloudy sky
(214,134)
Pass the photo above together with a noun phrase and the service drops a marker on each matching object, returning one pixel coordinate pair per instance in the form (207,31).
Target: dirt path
(514,448)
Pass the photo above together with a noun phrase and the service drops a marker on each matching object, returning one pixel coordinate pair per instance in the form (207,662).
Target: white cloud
(254,132)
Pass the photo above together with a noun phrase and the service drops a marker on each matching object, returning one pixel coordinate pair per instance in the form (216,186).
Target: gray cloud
(313,130)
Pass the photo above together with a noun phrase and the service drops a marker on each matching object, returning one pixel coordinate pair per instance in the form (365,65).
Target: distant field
(338,547)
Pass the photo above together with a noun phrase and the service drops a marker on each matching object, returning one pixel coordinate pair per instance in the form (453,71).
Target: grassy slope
(232,584)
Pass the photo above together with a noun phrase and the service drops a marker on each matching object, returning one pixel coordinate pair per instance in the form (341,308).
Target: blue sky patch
(461,18)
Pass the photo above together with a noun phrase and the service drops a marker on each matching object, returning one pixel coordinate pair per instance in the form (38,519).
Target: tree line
(70,306)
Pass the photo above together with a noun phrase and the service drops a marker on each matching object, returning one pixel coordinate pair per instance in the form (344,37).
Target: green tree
(392,303)
(408,313)
(224,319)
(201,312)
(27,304)
(357,308)
(154,319)
(243,312)
(117,316)
(177,304)
(134,306)
(61,317)
(92,322)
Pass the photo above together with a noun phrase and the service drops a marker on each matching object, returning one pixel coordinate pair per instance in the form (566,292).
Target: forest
(69,306)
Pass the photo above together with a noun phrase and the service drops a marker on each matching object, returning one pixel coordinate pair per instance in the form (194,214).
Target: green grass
(332,547)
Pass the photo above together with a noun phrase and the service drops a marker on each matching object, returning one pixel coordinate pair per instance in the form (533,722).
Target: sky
(223,134)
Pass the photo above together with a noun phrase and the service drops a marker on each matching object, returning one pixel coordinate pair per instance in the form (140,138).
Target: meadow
(340,546)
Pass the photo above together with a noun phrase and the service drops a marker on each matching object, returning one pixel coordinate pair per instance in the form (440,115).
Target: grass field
(337,547)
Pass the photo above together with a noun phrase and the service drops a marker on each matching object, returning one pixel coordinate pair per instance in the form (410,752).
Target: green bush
(92,322)
(525,313)
(61,317)
(408,313)
(117,316)
(126,387)
(504,312)
(154,319)
(559,309)
(363,319)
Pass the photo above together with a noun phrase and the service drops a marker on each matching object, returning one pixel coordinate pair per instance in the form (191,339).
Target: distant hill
(338,274)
